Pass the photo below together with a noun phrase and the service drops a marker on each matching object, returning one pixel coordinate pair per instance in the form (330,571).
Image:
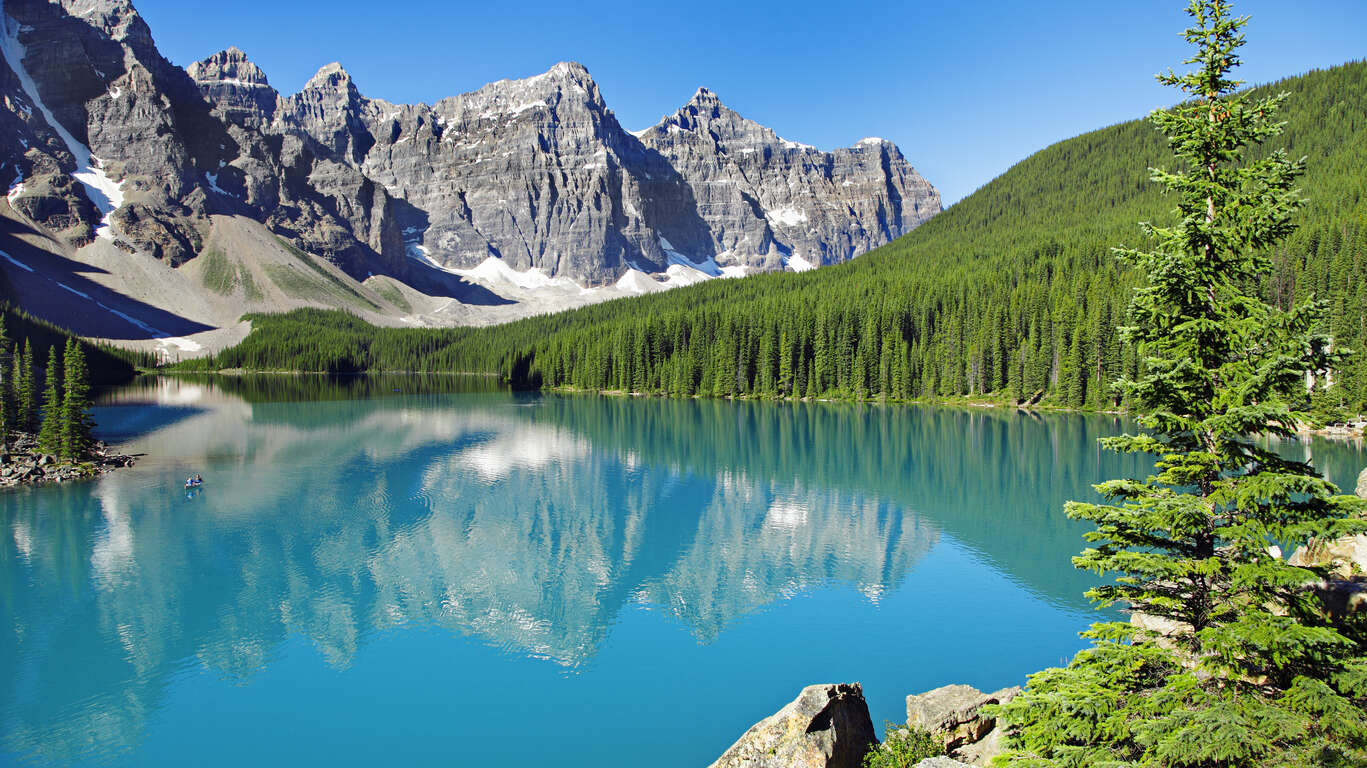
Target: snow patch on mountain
(16,189)
(105,193)
(495,270)
(788,217)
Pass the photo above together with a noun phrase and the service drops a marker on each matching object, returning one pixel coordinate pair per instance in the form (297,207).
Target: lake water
(496,579)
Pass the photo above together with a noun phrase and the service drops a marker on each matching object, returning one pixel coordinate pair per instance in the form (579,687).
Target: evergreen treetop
(50,433)
(76,423)
(26,418)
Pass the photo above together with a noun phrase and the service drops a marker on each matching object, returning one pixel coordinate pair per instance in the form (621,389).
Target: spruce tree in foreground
(1249,669)
(50,434)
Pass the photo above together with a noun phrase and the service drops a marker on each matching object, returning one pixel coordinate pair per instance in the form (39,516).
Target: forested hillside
(106,364)
(1013,291)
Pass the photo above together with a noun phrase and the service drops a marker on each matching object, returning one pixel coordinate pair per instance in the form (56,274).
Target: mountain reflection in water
(532,525)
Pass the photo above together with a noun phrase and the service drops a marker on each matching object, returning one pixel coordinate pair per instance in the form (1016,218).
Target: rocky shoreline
(1346,430)
(828,726)
(24,464)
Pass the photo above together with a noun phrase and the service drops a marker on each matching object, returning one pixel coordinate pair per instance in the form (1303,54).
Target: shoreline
(24,465)
(1354,430)
(239,372)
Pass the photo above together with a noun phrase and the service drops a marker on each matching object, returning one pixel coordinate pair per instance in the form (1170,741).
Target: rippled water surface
(497,579)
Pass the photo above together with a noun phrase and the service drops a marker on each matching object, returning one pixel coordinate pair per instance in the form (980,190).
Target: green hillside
(1012,292)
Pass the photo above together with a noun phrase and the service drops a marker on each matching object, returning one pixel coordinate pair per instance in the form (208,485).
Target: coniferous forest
(57,419)
(1014,293)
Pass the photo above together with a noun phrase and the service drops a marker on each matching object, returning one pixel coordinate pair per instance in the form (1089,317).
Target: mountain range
(149,201)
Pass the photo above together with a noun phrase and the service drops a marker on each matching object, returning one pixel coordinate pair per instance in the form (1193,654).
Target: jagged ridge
(537,173)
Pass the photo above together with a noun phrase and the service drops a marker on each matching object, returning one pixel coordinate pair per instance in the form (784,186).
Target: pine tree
(1249,670)
(76,422)
(7,389)
(16,386)
(26,417)
(50,434)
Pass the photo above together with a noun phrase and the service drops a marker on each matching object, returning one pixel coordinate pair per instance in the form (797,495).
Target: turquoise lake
(372,576)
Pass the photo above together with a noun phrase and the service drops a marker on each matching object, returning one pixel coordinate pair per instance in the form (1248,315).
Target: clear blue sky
(965,89)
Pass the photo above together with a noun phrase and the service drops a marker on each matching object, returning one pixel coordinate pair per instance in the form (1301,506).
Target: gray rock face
(764,198)
(302,183)
(826,726)
(536,172)
(99,105)
(329,109)
(237,88)
(1361,489)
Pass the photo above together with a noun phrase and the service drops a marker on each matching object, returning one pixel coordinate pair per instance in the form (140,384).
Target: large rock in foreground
(826,726)
(953,713)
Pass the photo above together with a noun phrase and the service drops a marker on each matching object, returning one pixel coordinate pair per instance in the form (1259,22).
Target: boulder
(1361,489)
(826,726)
(941,762)
(983,750)
(952,712)
(1347,555)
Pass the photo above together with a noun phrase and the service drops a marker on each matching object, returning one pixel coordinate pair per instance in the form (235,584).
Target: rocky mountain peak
(116,18)
(768,200)
(236,87)
(331,77)
(704,97)
(567,84)
(706,118)
(570,70)
(230,65)
(566,76)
